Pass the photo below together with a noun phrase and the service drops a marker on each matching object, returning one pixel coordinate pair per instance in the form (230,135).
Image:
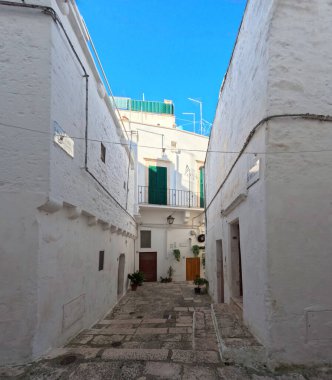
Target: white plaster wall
(300,57)
(68,269)
(299,185)
(190,151)
(242,104)
(50,255)
(150,118)
(165,238)
(24,172)
(299,241)
(68,110)
(285,222)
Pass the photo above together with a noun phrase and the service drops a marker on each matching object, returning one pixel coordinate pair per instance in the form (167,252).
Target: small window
(101,260)
(145,239)
(102,152)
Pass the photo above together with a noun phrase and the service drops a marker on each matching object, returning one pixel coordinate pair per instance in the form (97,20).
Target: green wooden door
(157,185)
(201,187)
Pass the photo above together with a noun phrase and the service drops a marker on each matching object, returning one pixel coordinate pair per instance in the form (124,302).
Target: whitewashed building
(269,180)
(66,182)
(169,180)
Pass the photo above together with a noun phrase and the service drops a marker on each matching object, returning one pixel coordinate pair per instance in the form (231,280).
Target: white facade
(182,154)
(59,207)
(277,185)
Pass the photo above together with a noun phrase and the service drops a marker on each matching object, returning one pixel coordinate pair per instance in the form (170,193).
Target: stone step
(236,343)
(236,306)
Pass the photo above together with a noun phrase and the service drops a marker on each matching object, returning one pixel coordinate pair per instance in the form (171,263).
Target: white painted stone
(49,253)
(158,131)
(281,64)
(74,212)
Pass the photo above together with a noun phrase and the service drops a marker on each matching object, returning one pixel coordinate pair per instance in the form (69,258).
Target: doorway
(236,261)
(148,265)
(121,269)
(193,268)
(220,272)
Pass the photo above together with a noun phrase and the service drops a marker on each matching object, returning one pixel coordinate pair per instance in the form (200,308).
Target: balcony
(169,197)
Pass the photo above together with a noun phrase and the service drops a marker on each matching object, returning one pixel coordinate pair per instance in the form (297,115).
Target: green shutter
(201,187)
(157,185)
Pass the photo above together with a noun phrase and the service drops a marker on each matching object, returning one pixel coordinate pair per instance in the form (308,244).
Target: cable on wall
(50,11)
(307,116)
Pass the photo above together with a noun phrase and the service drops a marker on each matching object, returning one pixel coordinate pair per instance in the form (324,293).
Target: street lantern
(170,219)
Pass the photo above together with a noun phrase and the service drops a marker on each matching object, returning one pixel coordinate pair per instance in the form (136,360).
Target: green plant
(195,250)
(170,272)
(136,277)
(177,254)
(199,281)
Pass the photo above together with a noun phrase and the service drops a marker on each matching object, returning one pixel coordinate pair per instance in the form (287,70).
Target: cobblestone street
(161,331)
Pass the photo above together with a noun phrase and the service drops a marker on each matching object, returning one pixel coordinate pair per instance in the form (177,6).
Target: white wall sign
(253,173)
(63,140)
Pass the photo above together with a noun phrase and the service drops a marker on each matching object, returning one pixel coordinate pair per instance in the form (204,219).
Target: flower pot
(197,290)
(133,287)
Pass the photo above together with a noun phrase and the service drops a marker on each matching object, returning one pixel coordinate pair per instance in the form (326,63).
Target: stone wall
(56,215)
(280,66)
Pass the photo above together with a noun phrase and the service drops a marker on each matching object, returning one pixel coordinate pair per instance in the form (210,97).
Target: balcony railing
(169,197)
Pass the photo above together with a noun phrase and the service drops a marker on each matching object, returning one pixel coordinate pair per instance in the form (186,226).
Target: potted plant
(177,254)
(199,281)
(136,279)
(195,250)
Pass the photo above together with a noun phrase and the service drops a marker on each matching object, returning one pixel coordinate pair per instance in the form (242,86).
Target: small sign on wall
(63,140)
(253,173)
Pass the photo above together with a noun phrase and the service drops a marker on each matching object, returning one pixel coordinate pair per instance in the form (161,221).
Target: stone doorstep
(136,354)
(246,350)
(193,356)
(154,320)
(120,322)
(84,352)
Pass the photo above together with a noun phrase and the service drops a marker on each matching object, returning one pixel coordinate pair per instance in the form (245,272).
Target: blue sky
(171,49)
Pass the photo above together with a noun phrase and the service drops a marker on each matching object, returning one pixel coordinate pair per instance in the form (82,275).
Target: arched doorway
(121,269)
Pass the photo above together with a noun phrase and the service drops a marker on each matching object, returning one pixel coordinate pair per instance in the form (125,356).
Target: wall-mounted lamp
(170,219)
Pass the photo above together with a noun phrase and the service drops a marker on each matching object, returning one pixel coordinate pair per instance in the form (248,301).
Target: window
(101,260)
(145,239)
(102,152)
(157,185)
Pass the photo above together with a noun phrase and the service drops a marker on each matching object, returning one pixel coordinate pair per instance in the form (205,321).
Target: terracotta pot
(133,287)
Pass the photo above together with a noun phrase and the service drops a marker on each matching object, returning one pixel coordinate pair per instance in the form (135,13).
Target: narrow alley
(165,190)
(160,331)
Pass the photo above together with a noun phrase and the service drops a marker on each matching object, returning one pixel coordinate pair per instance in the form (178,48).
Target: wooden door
(193,266)
(148,265)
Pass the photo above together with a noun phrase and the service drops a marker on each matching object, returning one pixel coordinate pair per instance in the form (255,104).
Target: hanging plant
(177,254)
(195,249)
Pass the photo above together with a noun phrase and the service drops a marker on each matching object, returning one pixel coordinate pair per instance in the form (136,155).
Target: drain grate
(68,359)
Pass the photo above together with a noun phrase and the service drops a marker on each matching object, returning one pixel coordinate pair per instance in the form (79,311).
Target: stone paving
(161,331)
